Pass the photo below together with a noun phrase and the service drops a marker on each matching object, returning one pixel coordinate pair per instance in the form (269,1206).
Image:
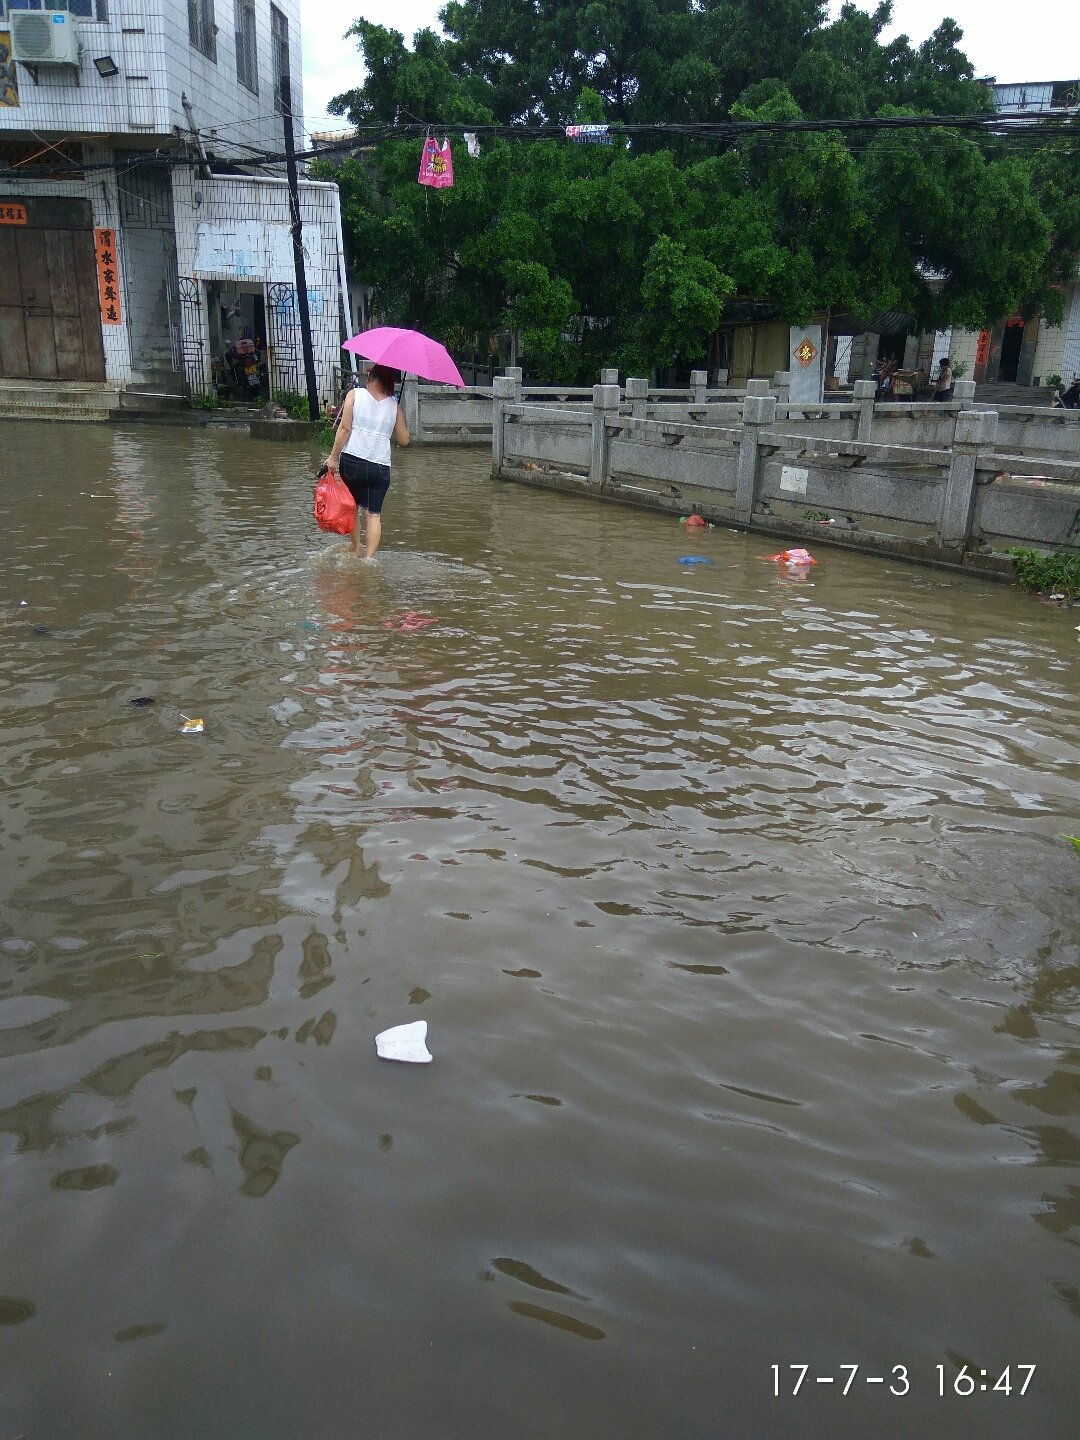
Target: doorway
(1012,342)
(50,312)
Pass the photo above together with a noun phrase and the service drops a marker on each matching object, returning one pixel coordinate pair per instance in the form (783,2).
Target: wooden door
(50,319)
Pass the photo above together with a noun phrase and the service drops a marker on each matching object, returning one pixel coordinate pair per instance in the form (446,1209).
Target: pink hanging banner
(436,165)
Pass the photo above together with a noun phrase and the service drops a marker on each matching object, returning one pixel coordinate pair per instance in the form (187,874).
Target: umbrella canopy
(406,350)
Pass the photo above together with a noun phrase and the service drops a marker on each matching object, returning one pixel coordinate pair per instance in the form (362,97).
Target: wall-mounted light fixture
(106,66)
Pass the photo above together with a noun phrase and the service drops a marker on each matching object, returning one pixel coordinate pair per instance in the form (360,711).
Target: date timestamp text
(968,1380)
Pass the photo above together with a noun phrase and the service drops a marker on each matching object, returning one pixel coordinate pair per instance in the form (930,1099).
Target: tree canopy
(628,254)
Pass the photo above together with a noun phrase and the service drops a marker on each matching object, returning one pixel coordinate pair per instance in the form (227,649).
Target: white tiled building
(137,238)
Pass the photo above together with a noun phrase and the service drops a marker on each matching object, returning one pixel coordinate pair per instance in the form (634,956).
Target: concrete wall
(951,503)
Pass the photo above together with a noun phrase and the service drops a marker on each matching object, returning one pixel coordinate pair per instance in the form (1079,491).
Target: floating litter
(193,725)
(405,1042)
(794,557)
(410,620)
(694,560)
(695,521)
(142,700)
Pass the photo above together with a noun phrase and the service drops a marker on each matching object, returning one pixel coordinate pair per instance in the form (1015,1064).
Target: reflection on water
(736,903)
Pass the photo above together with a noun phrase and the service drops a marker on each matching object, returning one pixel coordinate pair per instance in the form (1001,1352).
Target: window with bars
(247,55)
(88,9)
(279,50)
(202,31)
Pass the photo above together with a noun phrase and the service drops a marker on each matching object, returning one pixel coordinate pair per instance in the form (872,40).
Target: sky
(1030,40)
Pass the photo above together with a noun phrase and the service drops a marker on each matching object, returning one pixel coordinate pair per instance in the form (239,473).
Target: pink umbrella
(406,350)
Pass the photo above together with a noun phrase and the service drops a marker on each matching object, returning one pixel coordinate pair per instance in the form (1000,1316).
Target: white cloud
(332,63)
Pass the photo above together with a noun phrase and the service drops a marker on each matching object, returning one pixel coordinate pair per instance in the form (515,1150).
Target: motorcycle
(242,359)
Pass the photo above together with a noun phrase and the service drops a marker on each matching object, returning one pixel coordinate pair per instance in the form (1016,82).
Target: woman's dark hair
(387,378)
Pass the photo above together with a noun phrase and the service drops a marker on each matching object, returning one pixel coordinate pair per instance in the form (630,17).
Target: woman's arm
(342,433)
(401,430)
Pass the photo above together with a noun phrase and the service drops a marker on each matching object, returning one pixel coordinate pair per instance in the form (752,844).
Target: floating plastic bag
(410,620)
(794,557)
(694,560)
(693,521)
(436,165)
(335,508)
(404,1042)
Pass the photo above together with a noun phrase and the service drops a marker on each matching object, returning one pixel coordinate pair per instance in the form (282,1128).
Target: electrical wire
(1027,134)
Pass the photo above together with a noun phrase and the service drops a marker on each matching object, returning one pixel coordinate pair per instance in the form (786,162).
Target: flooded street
(737,906)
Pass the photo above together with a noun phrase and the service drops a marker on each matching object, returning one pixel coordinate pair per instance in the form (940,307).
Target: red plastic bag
(335,508)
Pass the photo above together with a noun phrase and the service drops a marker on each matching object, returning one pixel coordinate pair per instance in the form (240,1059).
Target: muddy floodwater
(738,906)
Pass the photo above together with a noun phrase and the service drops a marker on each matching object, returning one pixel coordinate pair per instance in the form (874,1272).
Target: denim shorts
(367,482)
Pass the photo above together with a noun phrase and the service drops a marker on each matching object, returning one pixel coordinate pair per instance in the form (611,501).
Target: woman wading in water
(361,453)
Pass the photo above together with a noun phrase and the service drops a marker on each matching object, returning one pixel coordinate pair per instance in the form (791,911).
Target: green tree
(628,254)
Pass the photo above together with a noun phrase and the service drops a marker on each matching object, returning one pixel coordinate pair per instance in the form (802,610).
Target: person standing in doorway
(361,454)
(943,381)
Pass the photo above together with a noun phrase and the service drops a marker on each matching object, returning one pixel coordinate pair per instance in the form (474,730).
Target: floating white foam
(405,1042)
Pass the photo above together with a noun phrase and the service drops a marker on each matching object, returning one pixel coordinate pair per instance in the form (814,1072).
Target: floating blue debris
(694,560)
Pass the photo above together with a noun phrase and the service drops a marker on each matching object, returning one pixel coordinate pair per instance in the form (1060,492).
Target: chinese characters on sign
(806,353)
(12,214)
(982,347)
(108,271)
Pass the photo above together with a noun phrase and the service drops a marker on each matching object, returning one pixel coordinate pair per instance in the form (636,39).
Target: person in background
(885,375)
(943,381)
(1068,399)
(361,453)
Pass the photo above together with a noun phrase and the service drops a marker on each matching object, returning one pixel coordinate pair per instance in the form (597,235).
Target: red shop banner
(108,270)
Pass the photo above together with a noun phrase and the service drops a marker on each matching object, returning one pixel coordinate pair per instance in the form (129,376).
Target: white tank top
(373,423)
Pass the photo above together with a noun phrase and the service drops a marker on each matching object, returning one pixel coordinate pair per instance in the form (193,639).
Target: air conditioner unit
(43,37)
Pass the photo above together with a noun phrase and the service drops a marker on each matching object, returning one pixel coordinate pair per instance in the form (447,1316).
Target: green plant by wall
(296,405)
(959,369)
(206,400)
(1057,574)
(1053,382)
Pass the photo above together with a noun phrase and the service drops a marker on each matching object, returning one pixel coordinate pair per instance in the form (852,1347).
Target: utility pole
(298,250)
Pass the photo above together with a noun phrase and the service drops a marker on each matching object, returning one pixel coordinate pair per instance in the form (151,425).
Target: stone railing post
(782,385)
(505,390)
(962,391)
(758,411)
(758,387)
(720,378)
(865,392)
(699,382)
(605,407)
(637,392)
(975,430)
(410,403)
(609,377)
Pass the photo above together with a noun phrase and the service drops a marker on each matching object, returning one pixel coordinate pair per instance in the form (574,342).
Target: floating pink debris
(410,620)
(793,557)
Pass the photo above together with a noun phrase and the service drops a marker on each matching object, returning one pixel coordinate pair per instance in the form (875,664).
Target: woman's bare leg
(374,535)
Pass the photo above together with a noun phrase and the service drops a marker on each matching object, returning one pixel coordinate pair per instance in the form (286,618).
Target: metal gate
(284,339)
(191,332)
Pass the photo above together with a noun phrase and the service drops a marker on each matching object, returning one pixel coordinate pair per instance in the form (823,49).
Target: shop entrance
(236,315)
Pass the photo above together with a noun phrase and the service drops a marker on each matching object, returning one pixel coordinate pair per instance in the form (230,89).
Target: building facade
(142,233)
